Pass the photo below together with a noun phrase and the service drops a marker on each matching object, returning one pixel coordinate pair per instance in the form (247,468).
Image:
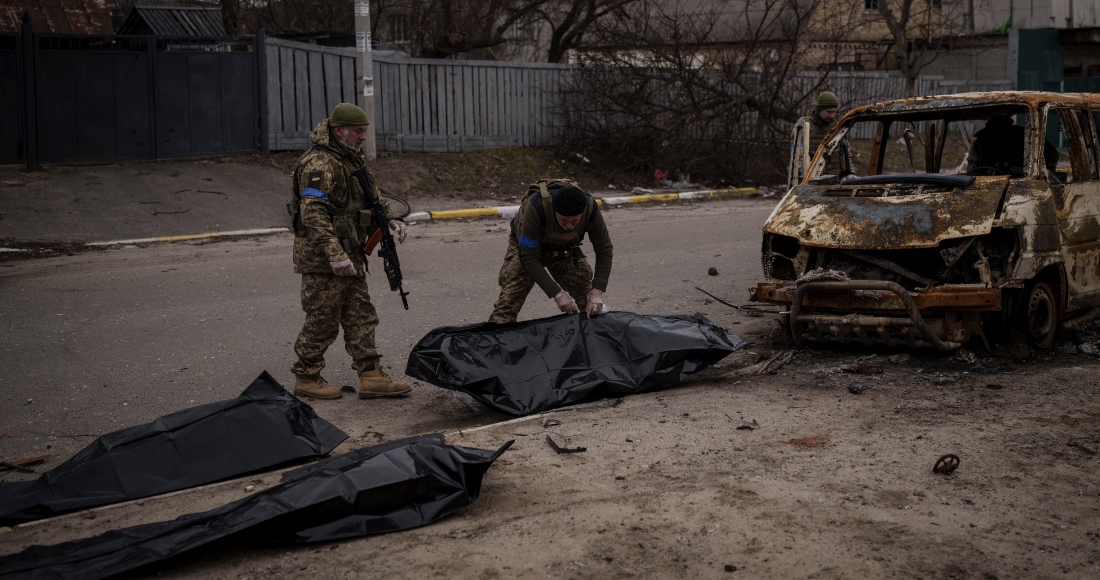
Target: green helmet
(346,114)
(827,100)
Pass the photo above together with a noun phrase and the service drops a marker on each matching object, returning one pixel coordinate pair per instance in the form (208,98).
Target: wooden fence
(304,83)
(453,105)
(419,104)
(445,105)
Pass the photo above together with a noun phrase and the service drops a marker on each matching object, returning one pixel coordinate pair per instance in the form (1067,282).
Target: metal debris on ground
(963,355)
(855,389)
(1088,349)
(747,426)
(23,464)
(776,362)
(560,450)
(862,369)
(712,271)
(946,464)
(548,422)
(899,359)
(1082,445)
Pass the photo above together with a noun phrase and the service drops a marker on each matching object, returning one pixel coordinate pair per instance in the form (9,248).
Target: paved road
(101,341)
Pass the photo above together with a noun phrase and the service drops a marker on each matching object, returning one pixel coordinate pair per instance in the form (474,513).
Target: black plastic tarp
(265,426)
(393,486)
(538,365)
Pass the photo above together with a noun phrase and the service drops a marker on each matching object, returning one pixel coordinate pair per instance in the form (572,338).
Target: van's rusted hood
(917,220)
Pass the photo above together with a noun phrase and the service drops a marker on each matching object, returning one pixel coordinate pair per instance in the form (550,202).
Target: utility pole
(365,78)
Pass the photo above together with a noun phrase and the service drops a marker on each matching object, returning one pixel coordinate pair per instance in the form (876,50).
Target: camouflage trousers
(573,274)
(332,302)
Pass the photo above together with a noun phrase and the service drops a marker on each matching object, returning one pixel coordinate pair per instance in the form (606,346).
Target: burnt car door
(1077,196)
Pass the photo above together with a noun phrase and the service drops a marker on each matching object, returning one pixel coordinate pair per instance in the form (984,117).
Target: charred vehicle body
(910,248)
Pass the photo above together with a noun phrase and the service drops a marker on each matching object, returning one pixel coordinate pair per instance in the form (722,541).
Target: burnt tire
(1039,314)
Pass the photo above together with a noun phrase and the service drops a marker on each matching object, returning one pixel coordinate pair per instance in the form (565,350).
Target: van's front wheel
(1040,314)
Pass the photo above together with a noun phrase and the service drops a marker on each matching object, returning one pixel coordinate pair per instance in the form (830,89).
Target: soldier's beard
(347,141)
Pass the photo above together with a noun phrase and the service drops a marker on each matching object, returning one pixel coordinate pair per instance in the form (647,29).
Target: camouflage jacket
(333,211)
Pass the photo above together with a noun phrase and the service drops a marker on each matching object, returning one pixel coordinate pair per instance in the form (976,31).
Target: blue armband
(526,242)
(310,192)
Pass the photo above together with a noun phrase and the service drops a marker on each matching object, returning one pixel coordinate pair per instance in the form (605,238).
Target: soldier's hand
(400,229)
(343,268)
(595,302)
(565,302)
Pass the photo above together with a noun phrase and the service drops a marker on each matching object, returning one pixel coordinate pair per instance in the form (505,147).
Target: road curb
(508,211)
(229,234)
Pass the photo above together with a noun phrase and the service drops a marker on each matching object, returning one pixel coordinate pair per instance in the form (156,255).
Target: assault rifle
(388,250)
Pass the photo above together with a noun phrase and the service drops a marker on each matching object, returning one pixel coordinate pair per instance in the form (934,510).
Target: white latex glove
(595,302)
(565,302)
(400,229)
(343,268)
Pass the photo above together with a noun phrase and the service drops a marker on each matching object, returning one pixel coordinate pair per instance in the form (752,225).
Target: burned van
(956,215)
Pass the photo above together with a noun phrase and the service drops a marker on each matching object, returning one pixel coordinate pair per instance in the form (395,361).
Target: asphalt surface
(91,203)
(96,342)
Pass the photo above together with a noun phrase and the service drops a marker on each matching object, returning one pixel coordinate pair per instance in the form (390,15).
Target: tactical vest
(350,223)
(552,241)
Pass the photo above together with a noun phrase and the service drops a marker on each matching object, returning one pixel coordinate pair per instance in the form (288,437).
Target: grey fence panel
(304,82)
(433,105)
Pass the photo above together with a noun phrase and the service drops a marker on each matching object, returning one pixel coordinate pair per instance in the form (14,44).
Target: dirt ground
(808,470)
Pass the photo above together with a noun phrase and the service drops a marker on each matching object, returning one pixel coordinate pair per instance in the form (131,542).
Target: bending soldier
(544,249)
(331,223)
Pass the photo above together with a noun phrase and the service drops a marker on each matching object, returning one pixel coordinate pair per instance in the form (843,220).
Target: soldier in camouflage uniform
(544,249)
(331,223)
(807,135)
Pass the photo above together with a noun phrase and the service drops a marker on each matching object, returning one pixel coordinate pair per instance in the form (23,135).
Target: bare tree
(921,30)
(709,92)
(571,20)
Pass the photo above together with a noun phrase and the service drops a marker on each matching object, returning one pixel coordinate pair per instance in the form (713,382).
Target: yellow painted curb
(463,213)
(655,197)
(182,238)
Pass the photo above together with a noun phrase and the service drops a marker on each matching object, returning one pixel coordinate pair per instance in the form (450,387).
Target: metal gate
(107,98)
(12,142)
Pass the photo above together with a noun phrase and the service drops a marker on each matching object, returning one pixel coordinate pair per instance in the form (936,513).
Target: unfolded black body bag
(393,486)
(265,426)
(538,365)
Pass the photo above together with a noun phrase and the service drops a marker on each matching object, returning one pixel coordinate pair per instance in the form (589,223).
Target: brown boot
(317,387)
(375,383)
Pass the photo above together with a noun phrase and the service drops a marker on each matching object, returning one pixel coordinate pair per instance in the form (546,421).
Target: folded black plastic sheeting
(389,487)
(538,365)
(265,426)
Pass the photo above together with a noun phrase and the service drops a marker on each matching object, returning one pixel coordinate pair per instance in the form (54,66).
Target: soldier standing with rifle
(332,214)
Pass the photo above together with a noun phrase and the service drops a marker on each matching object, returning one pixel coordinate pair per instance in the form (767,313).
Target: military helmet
(346,114)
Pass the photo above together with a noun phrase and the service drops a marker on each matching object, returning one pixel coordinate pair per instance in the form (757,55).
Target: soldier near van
(544,249)
(331,224)
(807,135)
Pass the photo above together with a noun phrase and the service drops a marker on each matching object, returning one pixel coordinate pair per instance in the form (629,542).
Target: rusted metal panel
(60,16)
(908,220)
(943,298)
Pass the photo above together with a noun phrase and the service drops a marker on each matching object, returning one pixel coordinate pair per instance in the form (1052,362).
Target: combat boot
(317,387)
(374,383)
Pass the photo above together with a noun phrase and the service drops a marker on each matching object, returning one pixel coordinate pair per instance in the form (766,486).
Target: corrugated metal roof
(59,16)
(174,21)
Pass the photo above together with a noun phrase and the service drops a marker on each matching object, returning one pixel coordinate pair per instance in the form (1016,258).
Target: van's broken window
(979,141)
